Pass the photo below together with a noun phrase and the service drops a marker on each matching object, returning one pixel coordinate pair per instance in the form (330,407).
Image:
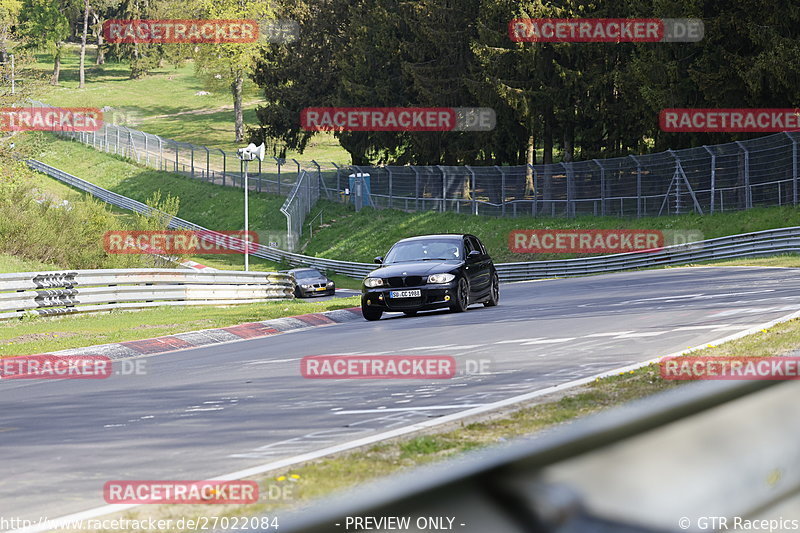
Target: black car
(431,272)
(311,282)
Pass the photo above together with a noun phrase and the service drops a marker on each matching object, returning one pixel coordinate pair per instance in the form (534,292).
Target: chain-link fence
(298,205)
(706,179)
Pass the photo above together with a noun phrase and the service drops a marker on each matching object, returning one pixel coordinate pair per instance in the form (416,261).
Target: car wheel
(297,293)
(461,301)
(370,313)
(410,313)
(494,293)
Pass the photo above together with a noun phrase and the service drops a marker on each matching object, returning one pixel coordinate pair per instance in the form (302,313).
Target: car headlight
(306,286)
(373,282)
(441,278)
(330,283)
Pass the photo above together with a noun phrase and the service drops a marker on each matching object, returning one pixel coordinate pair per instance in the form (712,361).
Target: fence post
(570,189)
(794,167)
(748,193)
(191,159)
(444,188)
(224,164)
(602,187)
(502,190)
(208,162)
(638,186)
(116,146)
(338,183)
(298,166)
(176,157)
(534,207)
(713,177)
(472,190)
(278,162)
(416,188)
(389,172)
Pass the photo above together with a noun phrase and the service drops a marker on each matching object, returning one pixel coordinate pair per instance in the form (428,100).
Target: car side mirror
(378,260)
(473,255)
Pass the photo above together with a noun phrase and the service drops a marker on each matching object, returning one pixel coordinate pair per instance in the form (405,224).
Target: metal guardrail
(760,243)
(66,292)
(669,462)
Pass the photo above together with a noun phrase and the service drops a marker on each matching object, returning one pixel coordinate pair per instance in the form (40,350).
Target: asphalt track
(204,412)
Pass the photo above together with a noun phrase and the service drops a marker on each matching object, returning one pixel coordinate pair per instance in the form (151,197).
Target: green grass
(46,334)
(10,263)
(362,236)
(152,104)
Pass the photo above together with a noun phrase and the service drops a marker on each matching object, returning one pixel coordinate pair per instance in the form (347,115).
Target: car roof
(443,236)
(302,269)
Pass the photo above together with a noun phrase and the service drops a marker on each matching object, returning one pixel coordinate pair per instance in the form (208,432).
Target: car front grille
(406,281)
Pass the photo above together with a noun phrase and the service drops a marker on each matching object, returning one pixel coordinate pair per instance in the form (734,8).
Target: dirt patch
(32,337)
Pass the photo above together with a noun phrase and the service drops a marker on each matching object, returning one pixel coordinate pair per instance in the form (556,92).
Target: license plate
(320,289)
(405,294)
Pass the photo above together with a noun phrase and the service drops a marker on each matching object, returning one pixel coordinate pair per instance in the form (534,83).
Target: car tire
(494,292)
(297,293)
(410,312)
(370,313)
(461,300)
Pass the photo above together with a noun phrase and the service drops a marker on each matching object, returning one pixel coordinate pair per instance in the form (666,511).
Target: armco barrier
(67,292)
(760,243)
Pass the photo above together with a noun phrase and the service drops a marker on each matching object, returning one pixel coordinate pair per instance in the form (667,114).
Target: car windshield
(303,274)
(424,250)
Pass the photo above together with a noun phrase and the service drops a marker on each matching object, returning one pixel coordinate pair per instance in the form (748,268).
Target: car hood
(417,268)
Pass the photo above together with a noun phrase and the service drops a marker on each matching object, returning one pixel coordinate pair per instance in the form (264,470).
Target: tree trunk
(101,54)
(569,141)
(531,160)
(236,90)
(83,43)
(56,65)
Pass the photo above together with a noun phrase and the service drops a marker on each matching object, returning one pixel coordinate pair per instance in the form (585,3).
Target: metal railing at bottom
(80,291)
(672,462)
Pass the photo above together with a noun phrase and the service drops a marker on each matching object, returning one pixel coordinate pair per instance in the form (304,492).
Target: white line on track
(405,430)
(388,409)
(549,341)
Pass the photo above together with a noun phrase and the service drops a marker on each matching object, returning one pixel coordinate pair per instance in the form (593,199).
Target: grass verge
(347,470)
(47,334)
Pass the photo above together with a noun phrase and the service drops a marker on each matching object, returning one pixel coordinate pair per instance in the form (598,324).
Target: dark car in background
(431,272)
(311,282)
